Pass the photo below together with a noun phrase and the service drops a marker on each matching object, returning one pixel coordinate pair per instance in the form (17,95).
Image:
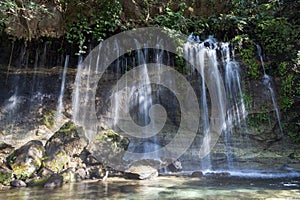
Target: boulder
(54,181)
(18,183)
(68,142)
(108,148)
(175,166)
(143,169)
(197,174)
(26,160)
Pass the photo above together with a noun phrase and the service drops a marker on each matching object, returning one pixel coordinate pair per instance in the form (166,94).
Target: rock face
(26,160)
(67,143)
(108,148)
(39,24)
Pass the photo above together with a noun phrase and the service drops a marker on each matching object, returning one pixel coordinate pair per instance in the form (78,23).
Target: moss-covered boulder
(68,142)
(108,148)
(26,160)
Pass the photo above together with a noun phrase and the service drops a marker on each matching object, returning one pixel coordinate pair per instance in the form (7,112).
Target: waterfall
(60,106)
(194,53)
(236,111)
(267,82)
(140,102)
(204,55)
(76,92)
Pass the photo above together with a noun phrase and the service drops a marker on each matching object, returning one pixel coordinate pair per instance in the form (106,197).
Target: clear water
(167,187)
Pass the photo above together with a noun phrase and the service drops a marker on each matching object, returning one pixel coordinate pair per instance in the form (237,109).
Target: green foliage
(277,36)
(96,21)
(248,53)
(287,91)
(174,20)
(78,31)
(258,119)
(248,100)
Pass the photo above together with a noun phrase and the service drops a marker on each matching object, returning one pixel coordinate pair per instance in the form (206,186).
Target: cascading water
(60,106)
(141,95)
(267,82)
(236,111)
(141,101)
(193,52)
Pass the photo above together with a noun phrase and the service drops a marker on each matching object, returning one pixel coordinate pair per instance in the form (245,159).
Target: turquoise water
(167,187)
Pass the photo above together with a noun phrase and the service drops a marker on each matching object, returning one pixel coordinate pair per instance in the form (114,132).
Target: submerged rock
(67,143)
(109,147)
(26,160)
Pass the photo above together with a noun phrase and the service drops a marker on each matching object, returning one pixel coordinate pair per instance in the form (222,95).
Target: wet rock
(175,166)
(140,170)
(6,176)
(54,181)
(18,183)
(108,148)
(68,142)
(26,160)
(198,174)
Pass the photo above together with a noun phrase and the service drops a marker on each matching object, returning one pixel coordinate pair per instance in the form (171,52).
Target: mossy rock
(49,118)
(38,181)
(6,176)
(108,148)
(26,160)
(109,136)
(57,162)
(69,138)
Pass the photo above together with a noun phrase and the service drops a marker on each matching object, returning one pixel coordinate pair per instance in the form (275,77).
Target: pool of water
(167,187)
